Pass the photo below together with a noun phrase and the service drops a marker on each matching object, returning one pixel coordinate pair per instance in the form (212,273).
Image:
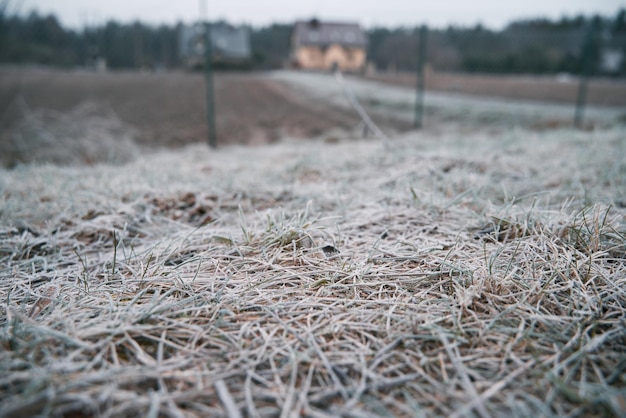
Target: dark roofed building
(328,45)
(230,44)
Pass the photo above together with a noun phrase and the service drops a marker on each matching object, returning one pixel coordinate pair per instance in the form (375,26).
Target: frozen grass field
(454,274)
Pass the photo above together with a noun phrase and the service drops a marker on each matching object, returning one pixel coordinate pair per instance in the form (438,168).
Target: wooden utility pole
(208,76)
(419,89)
(586,58)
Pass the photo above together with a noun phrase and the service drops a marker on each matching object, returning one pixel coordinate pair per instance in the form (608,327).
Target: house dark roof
(315,32)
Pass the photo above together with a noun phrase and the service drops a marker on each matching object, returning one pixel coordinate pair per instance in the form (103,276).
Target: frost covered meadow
(458,272)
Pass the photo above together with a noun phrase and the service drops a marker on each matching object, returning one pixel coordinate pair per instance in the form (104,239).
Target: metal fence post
(581,97)
(210,94)
(419,90)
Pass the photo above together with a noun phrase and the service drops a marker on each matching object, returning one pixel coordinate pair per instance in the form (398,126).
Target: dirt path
(602,92)
(442,108)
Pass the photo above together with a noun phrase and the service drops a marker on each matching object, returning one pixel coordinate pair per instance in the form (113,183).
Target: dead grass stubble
(394,307)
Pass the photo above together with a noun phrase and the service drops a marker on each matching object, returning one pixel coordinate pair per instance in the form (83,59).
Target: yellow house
(319,45)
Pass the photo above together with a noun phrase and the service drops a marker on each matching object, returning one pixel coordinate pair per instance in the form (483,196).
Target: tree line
(539,46)
(524,46)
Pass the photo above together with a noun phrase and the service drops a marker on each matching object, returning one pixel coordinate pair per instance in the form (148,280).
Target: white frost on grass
(454,273)
(443,170)
(88,134)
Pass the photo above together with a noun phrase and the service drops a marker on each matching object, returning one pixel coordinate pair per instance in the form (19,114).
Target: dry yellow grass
(452,275)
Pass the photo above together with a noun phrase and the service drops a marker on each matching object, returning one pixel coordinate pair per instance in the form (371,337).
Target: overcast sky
(391,13)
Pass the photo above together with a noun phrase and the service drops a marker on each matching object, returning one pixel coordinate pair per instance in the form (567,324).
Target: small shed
(317,45)
(230,44)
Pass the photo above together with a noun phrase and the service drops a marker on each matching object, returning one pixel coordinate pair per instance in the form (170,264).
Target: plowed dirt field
(169,109)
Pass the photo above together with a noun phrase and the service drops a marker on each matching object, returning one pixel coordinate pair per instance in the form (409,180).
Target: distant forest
(538,46)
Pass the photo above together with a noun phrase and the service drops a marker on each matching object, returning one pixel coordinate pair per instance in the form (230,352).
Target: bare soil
(603,92)
(169,109)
